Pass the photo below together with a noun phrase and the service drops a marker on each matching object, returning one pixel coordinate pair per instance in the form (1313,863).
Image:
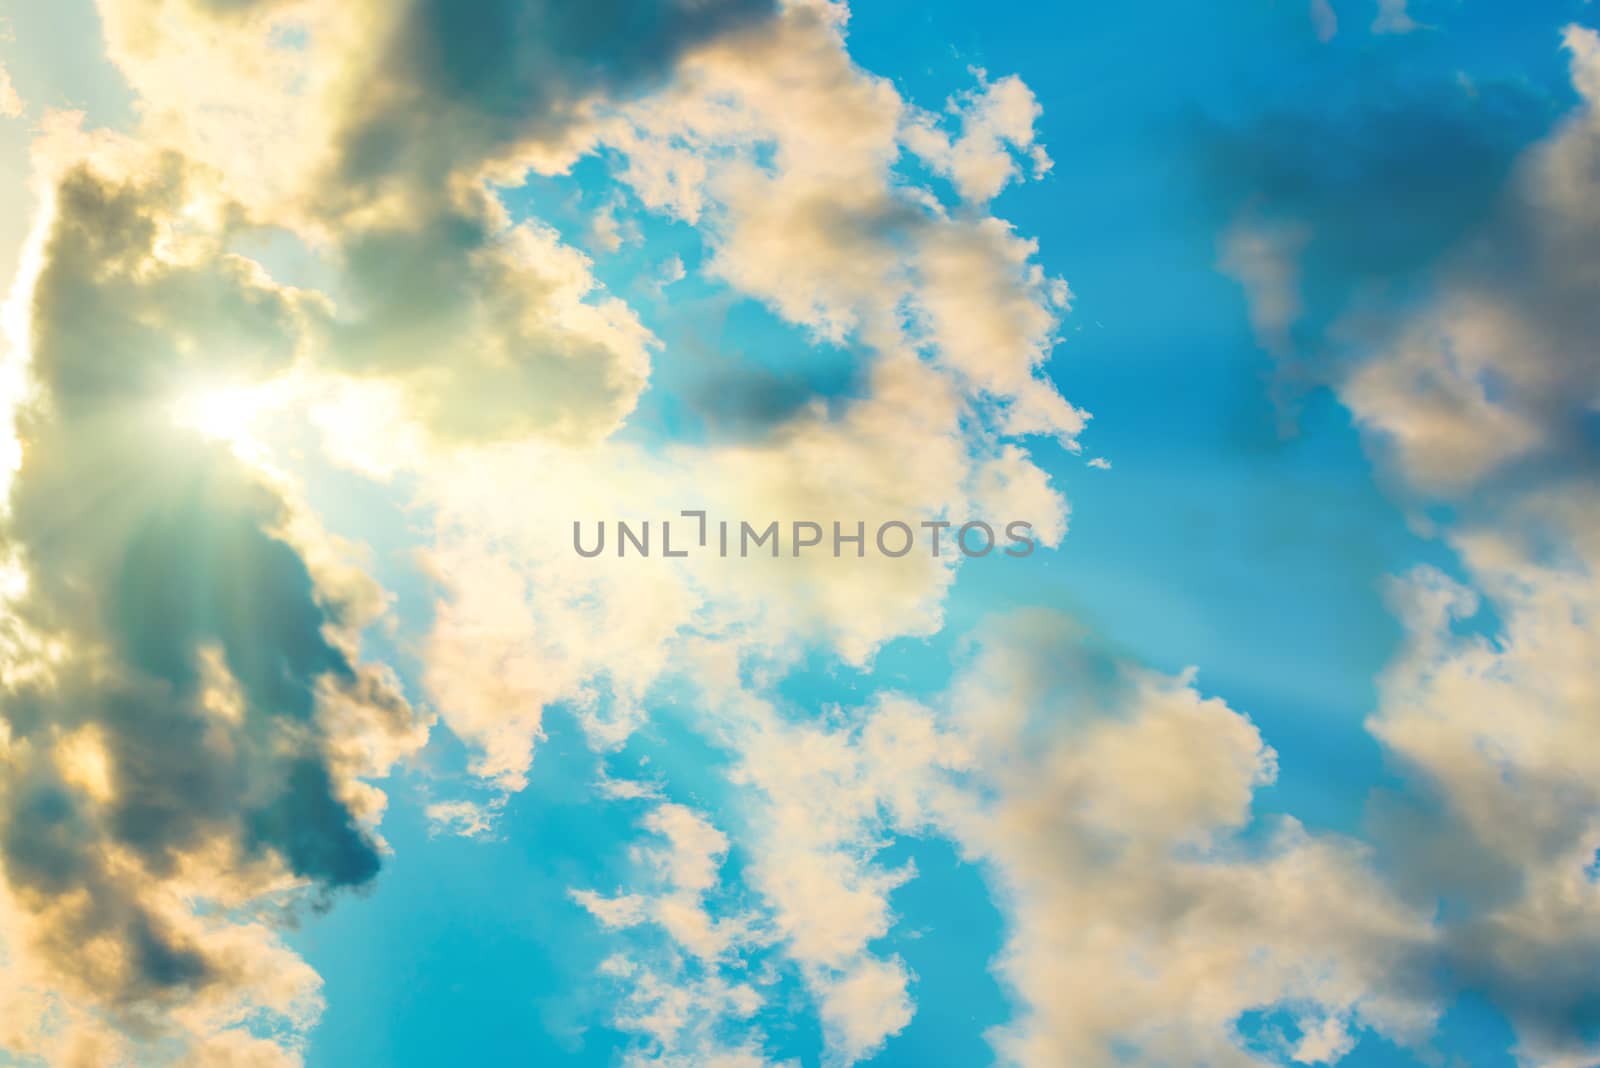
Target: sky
(333,332)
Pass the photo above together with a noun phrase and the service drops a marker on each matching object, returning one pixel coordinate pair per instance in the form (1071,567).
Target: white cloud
(1138,923)
(1484,396)
(824,800)
(1324,1041)
(692,1002)
(684,1019)
(524,622)
(670,273)
(11,105)
(1494,368)
(610,233)
(1393,18)
(465,819)
(1499,733)
(864,254)
(1265,260)
(997,135)
(1107,806)
(324,123)
(1324,20)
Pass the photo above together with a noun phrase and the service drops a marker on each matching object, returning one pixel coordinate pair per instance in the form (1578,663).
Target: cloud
(992,314)
(1148,908)
(1393,18)
(189,725)
(386,126)
(491,330)
(610,233)
(1109,802)
(1482,394)
(685,870)
(670,273)
(1375,191)
(692,1004)
(459,328)
(11,105)
(524,622)
(997,125)
(1413,313)
(513,77)
(1324,20)
(1265,261)
(817,801)
(749,403)
(769,138)
(683,1019)
(466,819)
(823,800)
(188,722)
(775,139)
(1496,733)
(1499,366)
(466,349)
(375,103)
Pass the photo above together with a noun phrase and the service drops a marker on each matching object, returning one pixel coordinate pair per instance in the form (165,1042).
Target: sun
(223,413)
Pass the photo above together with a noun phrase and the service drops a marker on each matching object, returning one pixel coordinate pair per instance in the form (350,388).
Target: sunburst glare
(226,413)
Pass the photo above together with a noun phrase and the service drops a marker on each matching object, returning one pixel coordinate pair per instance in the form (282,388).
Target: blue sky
(322,747)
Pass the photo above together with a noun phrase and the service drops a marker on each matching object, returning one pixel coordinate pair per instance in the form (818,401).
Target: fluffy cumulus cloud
(1482,394)
(1491,367)
(1111,810)
(1143,926)
(373,131)
(1501,733)
(470,334)
(819,801)
(813,860)
(1500,367)
(526,623)
(693,1003)
(776,132)
(187,749)
(996,124)
(188,722)
(191,734)
(783,149)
